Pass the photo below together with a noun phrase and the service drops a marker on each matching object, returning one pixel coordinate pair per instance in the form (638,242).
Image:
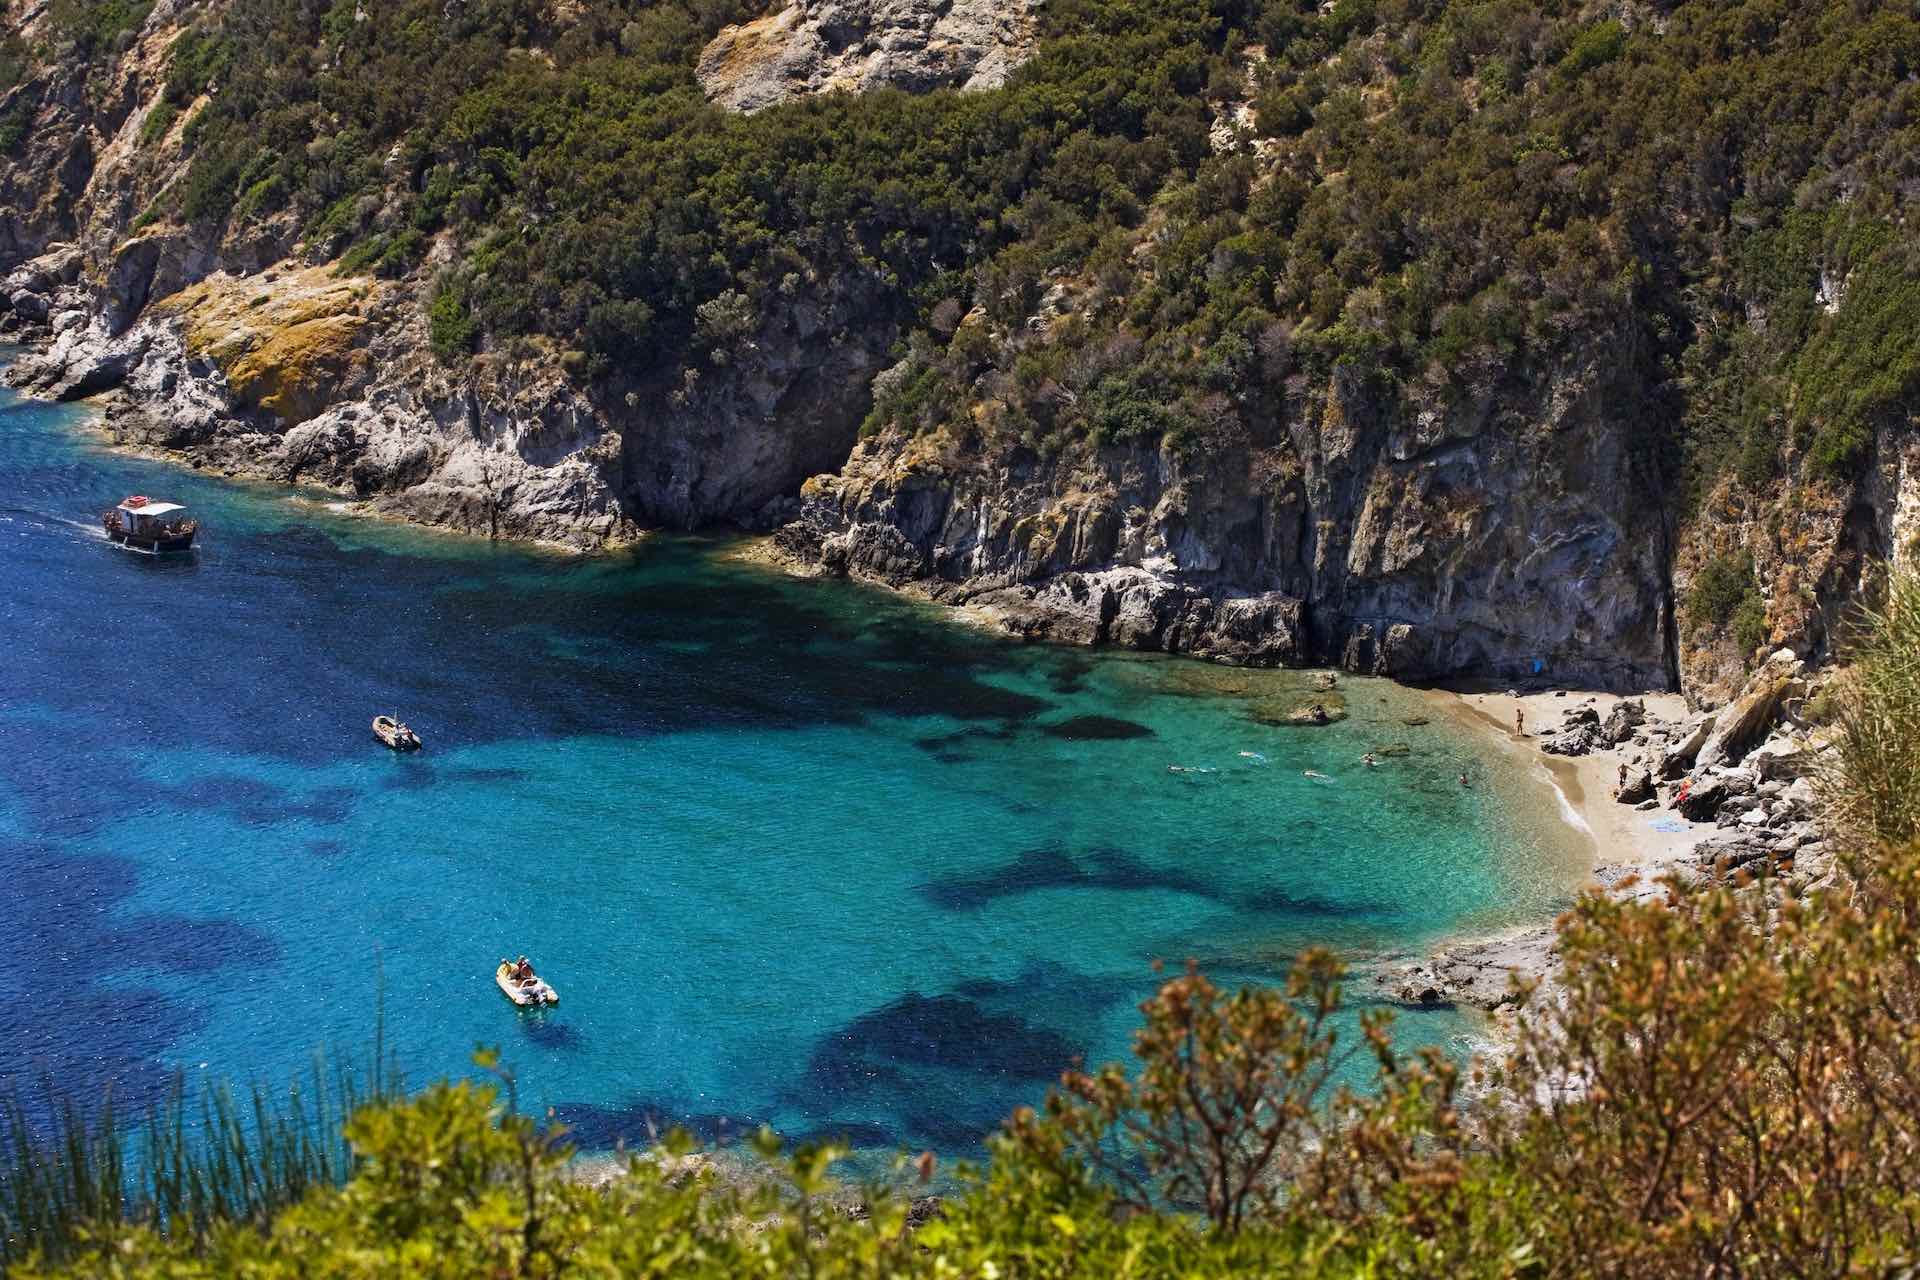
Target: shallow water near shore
(796,853)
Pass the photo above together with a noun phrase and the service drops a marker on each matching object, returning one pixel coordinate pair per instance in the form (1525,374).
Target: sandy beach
(1621,836)
(1626,843)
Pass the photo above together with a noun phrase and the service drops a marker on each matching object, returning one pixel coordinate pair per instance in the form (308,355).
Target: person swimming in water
(1369,761)
(1463,779)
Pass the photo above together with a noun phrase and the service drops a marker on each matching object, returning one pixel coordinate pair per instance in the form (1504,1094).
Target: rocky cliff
(1263,341)
(1510,533)
(297,376)
(251,348)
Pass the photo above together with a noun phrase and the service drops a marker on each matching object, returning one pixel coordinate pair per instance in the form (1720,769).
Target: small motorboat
(156,528)
(394,734)
(524,991)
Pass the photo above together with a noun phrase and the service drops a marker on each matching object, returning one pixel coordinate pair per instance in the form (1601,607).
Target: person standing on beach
(1520,722)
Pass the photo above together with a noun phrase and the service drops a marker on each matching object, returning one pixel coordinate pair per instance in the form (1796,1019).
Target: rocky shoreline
(295,376)
(1696,795)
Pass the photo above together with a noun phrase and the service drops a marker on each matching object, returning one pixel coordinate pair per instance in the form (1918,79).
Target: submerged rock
(1312,712)
(1095,728)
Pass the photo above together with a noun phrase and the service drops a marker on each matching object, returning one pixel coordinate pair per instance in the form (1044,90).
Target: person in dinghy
(520,984)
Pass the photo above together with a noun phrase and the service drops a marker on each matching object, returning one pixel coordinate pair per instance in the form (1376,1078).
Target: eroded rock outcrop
(817,46)
(298,376)
(1407,536)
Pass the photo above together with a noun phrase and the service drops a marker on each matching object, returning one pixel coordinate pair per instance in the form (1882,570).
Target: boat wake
(29,518)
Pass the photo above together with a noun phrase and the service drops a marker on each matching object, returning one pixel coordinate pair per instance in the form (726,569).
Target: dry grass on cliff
(1871,785)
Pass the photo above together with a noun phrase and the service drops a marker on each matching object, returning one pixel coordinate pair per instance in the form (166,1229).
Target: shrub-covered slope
(1428,335)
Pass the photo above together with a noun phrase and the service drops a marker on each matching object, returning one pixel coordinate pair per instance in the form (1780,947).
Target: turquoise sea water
(796,853)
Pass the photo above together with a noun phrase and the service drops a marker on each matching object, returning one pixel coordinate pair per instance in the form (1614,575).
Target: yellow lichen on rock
(285,340)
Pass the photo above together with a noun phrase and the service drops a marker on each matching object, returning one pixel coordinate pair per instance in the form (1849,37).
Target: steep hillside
(1431,337)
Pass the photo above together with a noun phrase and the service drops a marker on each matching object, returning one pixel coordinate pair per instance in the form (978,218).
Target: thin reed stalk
(1871,783)
(201,1157)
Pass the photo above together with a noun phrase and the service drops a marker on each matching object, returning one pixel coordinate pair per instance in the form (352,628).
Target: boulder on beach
(1749,716)
(1681,753)
(1701,802)
(1627,715)
(1638,788)
(1578,739)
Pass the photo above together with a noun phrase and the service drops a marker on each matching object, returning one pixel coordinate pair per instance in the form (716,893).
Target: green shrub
(158,122)
(1721,586)
(14,123)
(1595,47)
(92,25)
(1872,782)
(1748,625)
(450,324)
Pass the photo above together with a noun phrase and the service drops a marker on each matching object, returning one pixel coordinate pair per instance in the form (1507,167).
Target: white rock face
(817,46)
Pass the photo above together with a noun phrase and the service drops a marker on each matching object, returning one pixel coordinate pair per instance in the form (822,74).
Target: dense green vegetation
(1725,595)
(92,27)
(1698,208)
(1727,1083)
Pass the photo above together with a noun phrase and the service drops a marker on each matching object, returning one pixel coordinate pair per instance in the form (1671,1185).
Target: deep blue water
(799,853)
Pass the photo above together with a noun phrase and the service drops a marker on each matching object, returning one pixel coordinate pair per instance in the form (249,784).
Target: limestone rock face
(817,46)
(297,376)
(1396,534)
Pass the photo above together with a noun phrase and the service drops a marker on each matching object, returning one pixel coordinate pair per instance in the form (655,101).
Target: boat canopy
(151,508)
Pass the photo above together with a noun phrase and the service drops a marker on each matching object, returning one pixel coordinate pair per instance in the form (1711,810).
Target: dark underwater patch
(595,1127)
(948,1032)
(1052,867)
(87,1043)
(182,945)
(549,1033)
(1279,902)
(258,803)
(61,919)
(947,1068)
(856,1133)
(640,1123)
(1068,674)
(950,748)
(1079,999)
(1096,729)
(418,774)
